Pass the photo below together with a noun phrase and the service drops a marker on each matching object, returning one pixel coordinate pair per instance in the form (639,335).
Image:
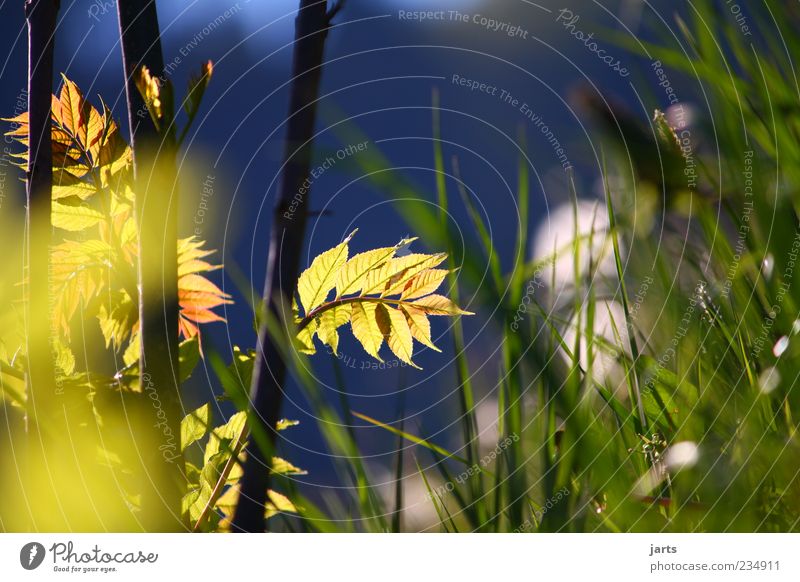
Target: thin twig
(283,261)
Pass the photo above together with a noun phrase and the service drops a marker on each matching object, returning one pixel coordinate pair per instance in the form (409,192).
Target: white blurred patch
(682,115)
(767,266)
(769,380)
(486,417)
(682,455)
(611,340)
(556,236)
(780,346)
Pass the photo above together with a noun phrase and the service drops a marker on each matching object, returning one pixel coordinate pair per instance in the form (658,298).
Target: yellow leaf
(131,354)
(330,321)
(228,500)
(296,311)
(65,359)
(419,325)
(284,467)
(74,218)
(395,272)
(111,155)
(278,503)
(195,266)
(306,338)
(284,423)
(191,248)
(423,284)
(365,328)
(150,89)
(438,305)
(398,336)
(317,281)
(117,315)
(66,185)
(351,277)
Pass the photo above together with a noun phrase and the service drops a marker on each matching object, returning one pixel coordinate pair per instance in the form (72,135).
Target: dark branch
(41,16)
(283,261)
(156,209)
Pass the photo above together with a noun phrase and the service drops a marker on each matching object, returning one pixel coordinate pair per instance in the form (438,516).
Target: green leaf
(195,425)
(188,357)
(221,437)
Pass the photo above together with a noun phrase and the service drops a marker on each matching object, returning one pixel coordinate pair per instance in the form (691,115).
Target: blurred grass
(688,354)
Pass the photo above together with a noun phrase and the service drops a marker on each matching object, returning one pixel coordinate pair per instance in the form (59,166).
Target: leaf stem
(223,478)
(314,313)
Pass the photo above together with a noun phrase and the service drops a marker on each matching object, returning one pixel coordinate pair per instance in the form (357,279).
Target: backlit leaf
(398,336)
(74,218)
(284,423)
(319,279)
(423,284)
(220,438)
(392,276)
(438,305)
(73,110)
(195,425)
(284,467)
(364,286)
(365,328)
(352,276)
(306,337)
(117,315)
(419,325)
(330,321)
(278,503)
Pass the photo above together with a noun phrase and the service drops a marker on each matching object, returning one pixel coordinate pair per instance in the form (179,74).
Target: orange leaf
(73,111)
(199,299)
(201,315)
(200,284)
